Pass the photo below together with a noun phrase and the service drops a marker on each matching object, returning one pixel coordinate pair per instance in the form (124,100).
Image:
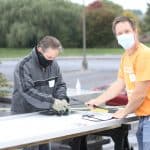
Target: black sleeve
(60,87)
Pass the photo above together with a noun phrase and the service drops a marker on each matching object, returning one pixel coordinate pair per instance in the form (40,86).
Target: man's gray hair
(49,42)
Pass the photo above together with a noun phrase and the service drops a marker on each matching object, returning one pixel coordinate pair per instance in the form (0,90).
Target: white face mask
(126,40)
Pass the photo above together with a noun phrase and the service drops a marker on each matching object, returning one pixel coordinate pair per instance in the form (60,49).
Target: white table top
(25,129)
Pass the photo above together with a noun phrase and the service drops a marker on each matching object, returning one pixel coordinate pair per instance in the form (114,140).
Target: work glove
(61,107)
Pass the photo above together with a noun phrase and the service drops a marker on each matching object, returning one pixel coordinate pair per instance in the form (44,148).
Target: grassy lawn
(93,51)
(15,53)
(21,52)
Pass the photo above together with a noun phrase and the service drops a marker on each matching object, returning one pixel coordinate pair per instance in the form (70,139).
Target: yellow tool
(100,110)
(103,109)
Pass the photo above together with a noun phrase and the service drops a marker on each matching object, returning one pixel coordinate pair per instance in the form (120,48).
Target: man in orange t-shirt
(134,76)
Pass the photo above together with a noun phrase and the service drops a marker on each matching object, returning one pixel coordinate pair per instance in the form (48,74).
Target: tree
(146,26)
(99,19)
(25,22)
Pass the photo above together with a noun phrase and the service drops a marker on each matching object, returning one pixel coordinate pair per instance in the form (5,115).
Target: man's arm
(113,91)
(135,100)
(25,87)
(60,87)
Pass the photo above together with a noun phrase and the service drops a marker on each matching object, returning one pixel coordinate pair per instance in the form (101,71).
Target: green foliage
(23,22)
(3,85)
(116,9)
(146,25)
(3,81)
(99,25)
(22,37)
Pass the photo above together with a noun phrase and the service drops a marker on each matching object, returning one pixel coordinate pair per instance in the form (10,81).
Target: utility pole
(84,61)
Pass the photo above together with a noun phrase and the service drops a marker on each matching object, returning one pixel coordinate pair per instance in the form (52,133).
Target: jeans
(143,133)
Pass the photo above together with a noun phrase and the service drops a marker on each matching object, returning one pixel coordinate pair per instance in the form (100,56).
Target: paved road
(100,71)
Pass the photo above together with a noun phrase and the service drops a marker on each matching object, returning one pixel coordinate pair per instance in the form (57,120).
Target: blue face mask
(127,41)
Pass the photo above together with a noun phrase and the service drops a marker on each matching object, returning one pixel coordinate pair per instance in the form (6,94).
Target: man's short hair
(49,42)
(123,19)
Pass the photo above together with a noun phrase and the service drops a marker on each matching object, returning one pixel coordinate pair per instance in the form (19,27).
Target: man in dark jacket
(38,83)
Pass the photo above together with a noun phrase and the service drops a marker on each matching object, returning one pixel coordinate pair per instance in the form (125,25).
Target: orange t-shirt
(136,68)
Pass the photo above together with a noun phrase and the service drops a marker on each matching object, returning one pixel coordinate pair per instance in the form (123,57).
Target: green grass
(148,44)
(93,51)
(21,52)
(15,53)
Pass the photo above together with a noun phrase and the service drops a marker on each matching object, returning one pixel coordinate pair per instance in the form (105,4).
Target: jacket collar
(35,57)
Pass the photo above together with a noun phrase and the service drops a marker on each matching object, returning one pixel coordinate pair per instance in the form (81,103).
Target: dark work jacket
(33,85)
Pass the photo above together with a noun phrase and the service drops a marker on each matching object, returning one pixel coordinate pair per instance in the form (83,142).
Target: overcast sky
(126,4)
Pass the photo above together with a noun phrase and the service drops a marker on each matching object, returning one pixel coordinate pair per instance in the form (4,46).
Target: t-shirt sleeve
(143,67)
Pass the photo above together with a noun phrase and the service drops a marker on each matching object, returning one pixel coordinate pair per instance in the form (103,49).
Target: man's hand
(120,114)
(92,103)
(61,106)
